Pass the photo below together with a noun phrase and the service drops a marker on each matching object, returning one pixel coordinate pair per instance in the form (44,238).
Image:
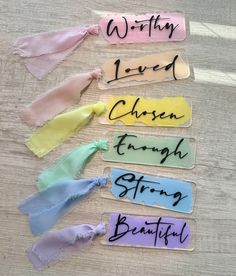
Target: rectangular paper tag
(150,190)
(166,66)
(136,110)
(168,151)
(155,27)
(152,232)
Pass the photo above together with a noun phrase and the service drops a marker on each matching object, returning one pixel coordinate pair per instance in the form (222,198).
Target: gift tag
(141,111)
(150,190)
(152,232)
(153,27)
(137,148)
(166,66)
(116,229)
(44,51)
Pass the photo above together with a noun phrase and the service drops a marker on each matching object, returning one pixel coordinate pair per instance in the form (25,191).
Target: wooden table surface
(211,51)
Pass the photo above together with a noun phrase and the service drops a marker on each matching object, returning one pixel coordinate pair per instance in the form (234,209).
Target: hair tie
(70,165)
(46,50)
(54,246)
(58,99)
(61,128)
(47,207)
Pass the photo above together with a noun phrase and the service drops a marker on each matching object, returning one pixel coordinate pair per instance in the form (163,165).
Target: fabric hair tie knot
(70,165)
(56,245)
(101,145)
(93,29)
(61,128)
(96,74)
(100,229)
(99,108)
(48,206)
(101,181)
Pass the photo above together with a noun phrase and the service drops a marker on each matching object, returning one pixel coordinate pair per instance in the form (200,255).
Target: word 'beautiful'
(158,232)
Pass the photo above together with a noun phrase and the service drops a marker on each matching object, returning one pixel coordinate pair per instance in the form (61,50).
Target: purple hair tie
(57,245)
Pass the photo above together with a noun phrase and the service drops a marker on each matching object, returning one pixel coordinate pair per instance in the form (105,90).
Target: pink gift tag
(156,27)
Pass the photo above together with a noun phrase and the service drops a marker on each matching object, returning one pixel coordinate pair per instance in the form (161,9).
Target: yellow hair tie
(62,127)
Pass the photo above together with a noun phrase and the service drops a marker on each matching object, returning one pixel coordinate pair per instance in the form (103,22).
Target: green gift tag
(151,150)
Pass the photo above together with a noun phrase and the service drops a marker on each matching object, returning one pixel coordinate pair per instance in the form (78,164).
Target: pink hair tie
(58,99)
(46,50)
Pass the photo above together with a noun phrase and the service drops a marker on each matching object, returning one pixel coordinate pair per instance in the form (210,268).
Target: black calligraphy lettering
(134,112)
(172,64)
(163,151)
(160,229)
(120,222)
(116,30)
(141,69)
(149,23)
(129,183)
(120,143)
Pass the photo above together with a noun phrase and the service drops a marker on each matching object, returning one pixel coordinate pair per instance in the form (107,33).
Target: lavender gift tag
(151,232)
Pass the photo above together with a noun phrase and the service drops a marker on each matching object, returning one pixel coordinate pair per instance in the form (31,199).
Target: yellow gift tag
(135,110)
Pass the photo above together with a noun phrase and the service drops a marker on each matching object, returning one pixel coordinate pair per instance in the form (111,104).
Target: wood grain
(211,51)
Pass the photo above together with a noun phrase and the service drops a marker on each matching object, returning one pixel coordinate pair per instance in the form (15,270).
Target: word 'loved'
(141,69)
(165,66)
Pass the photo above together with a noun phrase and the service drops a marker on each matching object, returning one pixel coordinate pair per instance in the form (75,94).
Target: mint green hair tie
(70,165)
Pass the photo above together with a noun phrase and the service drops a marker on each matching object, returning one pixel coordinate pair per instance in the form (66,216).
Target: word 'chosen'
(175,111)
